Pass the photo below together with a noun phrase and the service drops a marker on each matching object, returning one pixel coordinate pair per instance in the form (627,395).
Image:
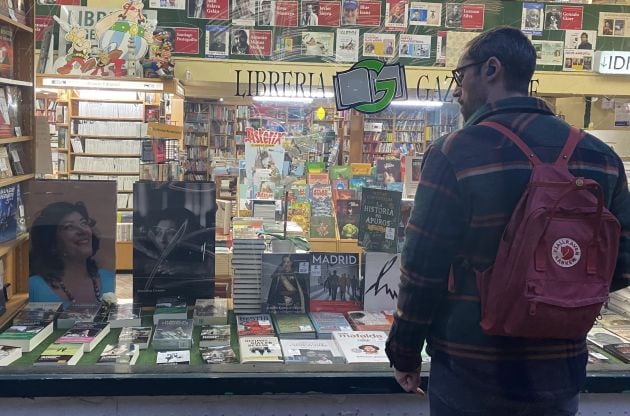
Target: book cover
(221,354)
(8,208)
(87,333)
(64,354)
(125,314)
(323,227)
(348,212)
(602,337)
(119,354)
(173,357)
(9,354)
(254,324)
(382,276)
(335,283)
(256,349)
(173,240)
(318,178)
(6,52)
(26,335)
(296,325)
(368,321)
(170,308)
(139,336)
(172,334)
(595,357)
(388,171)
(210,311)
(6,130)
(5,162)
(14,104)
(326,323)
(77,313)
(379,220)
(614,321)
(620,351)
(19,161)
(316,351)
(285,283)
(321,201)
(362,346)
(213,335)
(38,311)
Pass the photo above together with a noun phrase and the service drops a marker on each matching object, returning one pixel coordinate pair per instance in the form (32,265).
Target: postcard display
(423,33)
(173,240)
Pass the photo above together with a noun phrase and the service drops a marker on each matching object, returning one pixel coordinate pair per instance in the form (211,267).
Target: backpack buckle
(579,182)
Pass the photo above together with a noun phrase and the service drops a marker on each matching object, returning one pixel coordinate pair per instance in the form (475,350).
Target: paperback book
(220,354)
(173,357)
(382,276)
(9,354)
(255,349)
(87,333)
(326,323)
(173,334)
(602,337)
(139,336)
(38,311)
(214,335)
(62,354)
(316,351)
(362,346)
(335,284)
(210,312)
(285,283)
(620,351)
(254,324)
(379,218)
(119,354)
(124,315)
(294,326)
(26,335)
(77,313)
(368,321)
(170,308)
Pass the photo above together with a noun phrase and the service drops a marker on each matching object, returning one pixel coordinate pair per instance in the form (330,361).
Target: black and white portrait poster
(173,240)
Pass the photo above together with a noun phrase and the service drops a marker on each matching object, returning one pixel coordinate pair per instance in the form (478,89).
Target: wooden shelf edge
(87,172)
(9,81)
(14,305)
(10,245)
(103,155)
(16,139)
(15,179)
(96,118)
(16,24)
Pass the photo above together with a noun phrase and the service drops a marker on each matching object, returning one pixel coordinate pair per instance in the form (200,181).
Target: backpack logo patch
(565,252)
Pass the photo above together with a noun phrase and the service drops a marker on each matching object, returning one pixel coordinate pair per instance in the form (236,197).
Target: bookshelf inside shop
(17,126)
(406,131)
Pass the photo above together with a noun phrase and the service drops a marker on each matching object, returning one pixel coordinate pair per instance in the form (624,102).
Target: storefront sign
(441,89)
(370,86)
(279,83)
(612,62)
(166,131)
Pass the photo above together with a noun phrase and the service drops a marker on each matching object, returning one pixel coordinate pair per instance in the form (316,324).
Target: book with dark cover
(295,325)
(119,354)
(321,201)
(173,334)
(14,104)
(77,313)
(87,333)
(173,357)
(136,335)
(6,129)
(63,354)
(8,207)
(388,170)
(18,158)
(170,308)
(26,335)
(214,335)
(254,324)
(285,282)
(323,227)
(38,311)
(221,354)
(348,212)
(620,351)
(379,220)
(335,282)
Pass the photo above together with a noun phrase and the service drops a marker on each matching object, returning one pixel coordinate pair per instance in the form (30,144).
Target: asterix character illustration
(132,6)
(80,46)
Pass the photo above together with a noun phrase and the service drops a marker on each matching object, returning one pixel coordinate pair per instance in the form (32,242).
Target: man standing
(309,18)
(470,184)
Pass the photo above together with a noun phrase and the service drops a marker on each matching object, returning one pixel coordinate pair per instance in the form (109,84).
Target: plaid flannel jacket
(471,182)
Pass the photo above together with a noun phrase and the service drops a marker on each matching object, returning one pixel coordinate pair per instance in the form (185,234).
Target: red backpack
(557,256)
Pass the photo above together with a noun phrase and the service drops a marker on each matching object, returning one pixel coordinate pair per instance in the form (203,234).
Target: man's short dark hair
(512,48)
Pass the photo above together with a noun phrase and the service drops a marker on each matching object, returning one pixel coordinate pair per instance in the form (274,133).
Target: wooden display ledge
(14,305)
(124,255)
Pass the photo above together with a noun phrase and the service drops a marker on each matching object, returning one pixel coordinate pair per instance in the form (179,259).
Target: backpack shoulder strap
(515,139)
(575,135)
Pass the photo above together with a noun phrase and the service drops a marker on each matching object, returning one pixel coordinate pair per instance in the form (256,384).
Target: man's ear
(494,68)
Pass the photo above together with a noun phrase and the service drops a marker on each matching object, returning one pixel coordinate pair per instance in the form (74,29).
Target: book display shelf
(17,111)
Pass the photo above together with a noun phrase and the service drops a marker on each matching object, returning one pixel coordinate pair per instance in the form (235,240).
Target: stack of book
(31,326)
(210,312)
(119,354)
(173,334)
(214,345)
(294,326)
(77,313)
(89,334)
(247,269)
(326,323)
(257,340)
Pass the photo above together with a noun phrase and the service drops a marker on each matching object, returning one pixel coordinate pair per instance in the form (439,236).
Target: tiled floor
(124,284)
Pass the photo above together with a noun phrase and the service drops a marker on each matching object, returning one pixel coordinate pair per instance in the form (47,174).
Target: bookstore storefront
(218,200)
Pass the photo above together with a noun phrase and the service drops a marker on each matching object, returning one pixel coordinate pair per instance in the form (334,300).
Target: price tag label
(390,232)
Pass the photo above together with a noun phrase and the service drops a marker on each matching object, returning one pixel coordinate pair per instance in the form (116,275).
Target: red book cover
(571,18)
(159,151)
(6,52)
(329,13)
(287,13)
(472,16)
